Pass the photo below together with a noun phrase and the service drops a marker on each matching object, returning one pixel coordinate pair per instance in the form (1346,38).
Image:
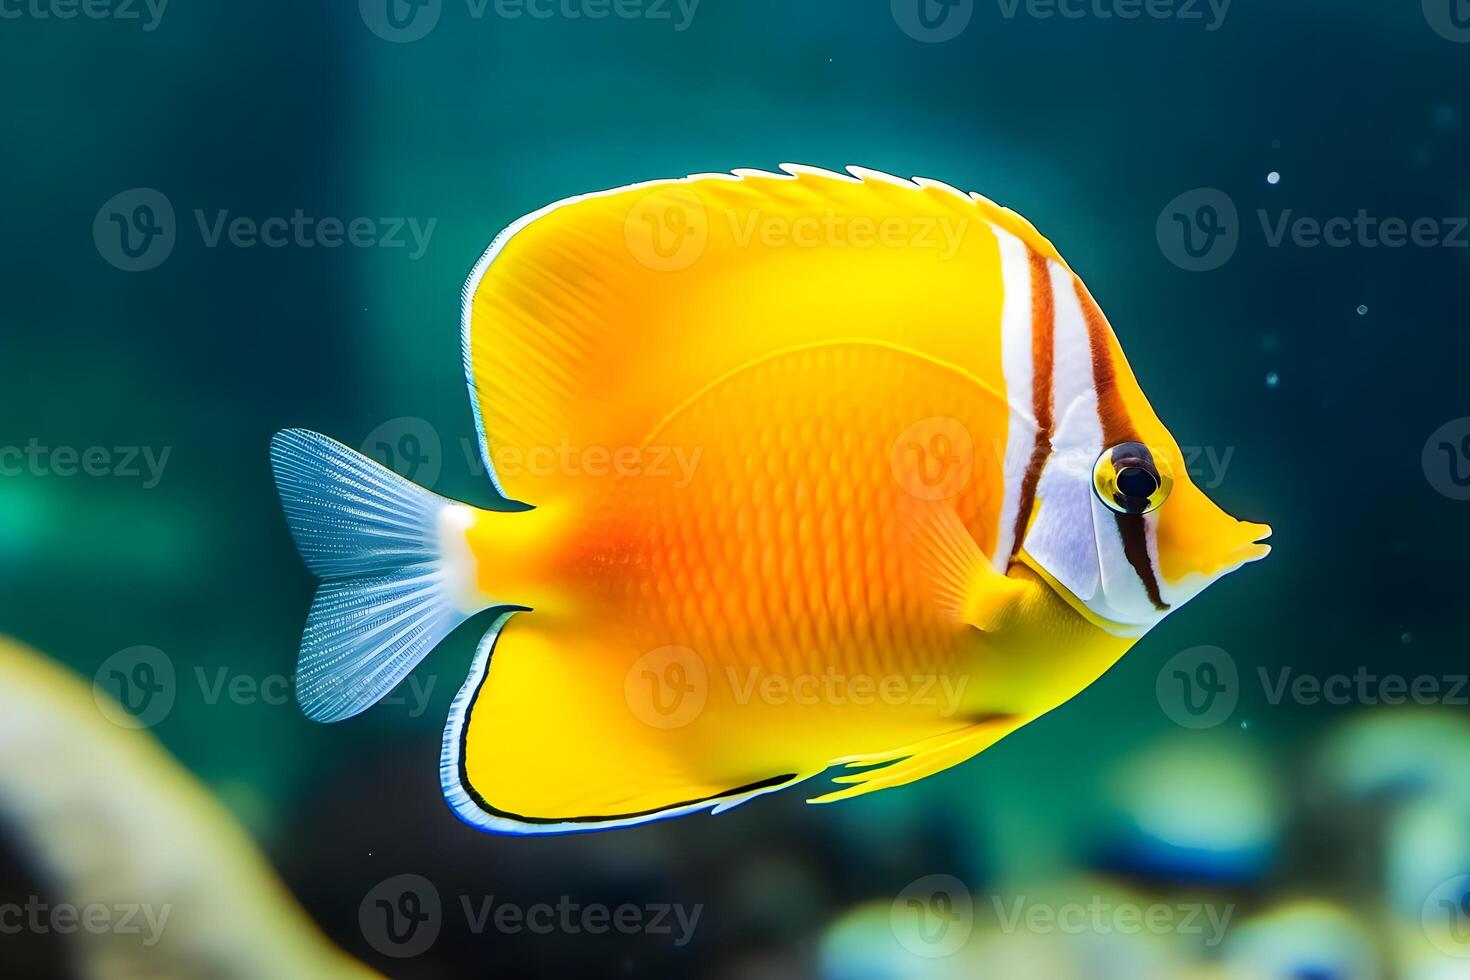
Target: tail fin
(390,592)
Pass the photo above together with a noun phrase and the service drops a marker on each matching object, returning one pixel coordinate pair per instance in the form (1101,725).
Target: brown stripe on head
(1117,427)
(1043,355)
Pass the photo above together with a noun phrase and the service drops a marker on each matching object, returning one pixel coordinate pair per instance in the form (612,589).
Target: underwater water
(221,220)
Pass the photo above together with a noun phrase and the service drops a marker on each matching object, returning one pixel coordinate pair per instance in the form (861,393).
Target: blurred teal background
(1318,372)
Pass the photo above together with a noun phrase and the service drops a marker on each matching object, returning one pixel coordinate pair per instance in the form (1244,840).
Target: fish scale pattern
(790,545)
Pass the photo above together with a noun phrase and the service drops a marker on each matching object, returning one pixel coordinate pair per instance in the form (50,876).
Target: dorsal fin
(586,320)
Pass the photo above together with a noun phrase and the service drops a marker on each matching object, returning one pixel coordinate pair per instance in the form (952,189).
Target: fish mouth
(1256,549)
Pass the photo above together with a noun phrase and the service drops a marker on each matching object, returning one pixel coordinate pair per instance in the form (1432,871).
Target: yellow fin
(917,761)
(587,321)
(965,580)
(563,731)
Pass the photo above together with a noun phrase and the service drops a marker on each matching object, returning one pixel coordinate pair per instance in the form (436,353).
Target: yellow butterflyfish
(821,470)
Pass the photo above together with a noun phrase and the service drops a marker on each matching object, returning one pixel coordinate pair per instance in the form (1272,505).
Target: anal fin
(914,762)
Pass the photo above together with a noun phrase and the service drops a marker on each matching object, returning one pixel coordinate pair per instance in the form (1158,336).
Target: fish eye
(1129,480)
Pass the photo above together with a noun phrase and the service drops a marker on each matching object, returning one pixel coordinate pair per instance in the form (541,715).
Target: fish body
(823,470)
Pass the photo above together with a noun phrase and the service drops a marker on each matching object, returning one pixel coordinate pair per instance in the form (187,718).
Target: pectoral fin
(964,580)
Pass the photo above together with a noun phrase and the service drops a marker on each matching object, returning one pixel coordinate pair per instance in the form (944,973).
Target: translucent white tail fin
(395,583)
